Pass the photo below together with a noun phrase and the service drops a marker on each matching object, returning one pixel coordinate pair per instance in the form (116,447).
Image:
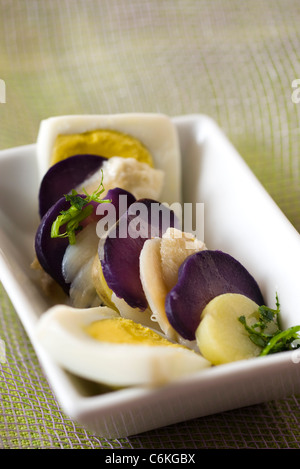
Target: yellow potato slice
(110,300)
(220,336)
(102,289)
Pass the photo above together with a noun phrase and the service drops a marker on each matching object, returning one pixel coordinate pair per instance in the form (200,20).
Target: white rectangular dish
(240,218)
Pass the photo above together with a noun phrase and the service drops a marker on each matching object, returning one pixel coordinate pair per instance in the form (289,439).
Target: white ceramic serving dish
(240,218)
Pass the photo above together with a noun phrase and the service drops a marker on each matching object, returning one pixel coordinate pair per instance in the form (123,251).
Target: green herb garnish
(267,334)
(78,211)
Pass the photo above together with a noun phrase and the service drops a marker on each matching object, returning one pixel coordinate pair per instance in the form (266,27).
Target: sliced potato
(112,301)
(220,336)
(102,289)
(160,260)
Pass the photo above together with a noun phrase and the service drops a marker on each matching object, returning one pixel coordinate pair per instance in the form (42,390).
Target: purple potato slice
(120,198)
(64,176)
(119,253)
(50,251)
(203,276)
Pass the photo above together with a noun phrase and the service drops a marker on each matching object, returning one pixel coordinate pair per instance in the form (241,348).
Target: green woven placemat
(232,60)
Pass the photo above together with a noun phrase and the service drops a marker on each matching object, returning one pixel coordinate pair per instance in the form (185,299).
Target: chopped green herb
(267,334)
(79,210)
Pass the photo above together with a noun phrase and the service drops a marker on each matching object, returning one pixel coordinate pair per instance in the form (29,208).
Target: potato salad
(138,299)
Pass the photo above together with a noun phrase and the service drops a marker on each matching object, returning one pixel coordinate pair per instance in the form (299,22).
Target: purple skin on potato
(66,175)
(50,251)
(203,276)
(119,254)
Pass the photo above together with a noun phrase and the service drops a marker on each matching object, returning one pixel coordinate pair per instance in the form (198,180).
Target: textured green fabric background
(233,60)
